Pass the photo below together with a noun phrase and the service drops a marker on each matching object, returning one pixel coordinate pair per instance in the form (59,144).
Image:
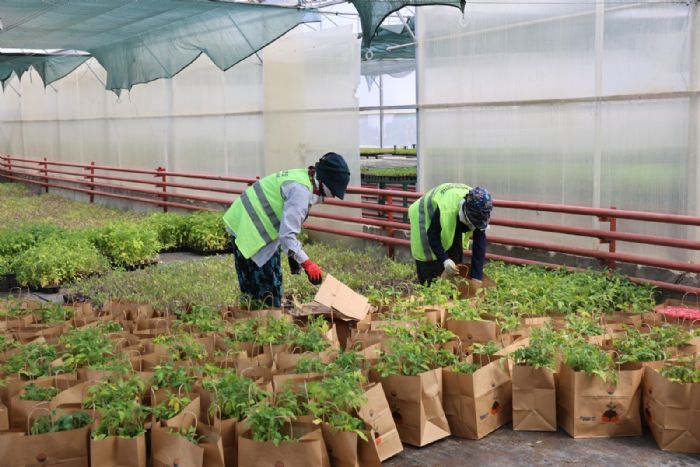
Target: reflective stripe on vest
(267,207)
(257,222)
(423,230)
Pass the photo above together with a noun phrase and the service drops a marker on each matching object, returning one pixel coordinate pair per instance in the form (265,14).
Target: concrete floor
(506,447)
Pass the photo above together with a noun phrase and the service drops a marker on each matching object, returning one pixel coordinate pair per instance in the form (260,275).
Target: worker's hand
(451,268)
(312,271)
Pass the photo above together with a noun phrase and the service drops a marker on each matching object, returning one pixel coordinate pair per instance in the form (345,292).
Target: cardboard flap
(341,298)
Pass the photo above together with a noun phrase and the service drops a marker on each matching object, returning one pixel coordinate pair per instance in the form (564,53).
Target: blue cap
(333,172)
(478,206)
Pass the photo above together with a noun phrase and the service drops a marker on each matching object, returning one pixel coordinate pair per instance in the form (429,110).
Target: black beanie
(333,172)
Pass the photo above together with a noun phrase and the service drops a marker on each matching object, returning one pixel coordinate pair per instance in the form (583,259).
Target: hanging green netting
(50,67)
(373,12)
(140,41)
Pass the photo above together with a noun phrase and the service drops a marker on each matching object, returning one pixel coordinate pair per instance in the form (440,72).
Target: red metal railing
(156,189)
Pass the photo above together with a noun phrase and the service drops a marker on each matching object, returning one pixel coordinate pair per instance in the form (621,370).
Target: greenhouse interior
(490,213)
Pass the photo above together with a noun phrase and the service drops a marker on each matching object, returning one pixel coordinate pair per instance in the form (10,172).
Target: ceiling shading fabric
(139,41)
(372,12)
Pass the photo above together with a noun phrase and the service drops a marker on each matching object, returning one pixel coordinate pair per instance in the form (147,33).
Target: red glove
(313,271)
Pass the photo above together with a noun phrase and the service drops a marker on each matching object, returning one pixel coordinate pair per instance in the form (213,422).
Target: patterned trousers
(262,285)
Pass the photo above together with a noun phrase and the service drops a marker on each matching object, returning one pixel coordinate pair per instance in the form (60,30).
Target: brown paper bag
(4,418)
(534,399)
(118,452)
(376,413)
(309,449)
(672,412)
(346,450)
(416,405)
(168,448)
(470,332)
(479,403)
(588,407)
(228,431)
(64,449)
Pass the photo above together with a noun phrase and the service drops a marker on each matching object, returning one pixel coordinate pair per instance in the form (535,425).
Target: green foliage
(488,348)
(83,347)
(414,350)
(7,343)
(332,400)
(312,338)
(185,347)
(635,346)
(389,171)
(167,376)
(268,420)
(5,266)
(309,365)
(438,292)
(465,310)
(57,260)
(465,367)
(584,324)
(112,390)
(541,351)
(683,370)
(233,394)
(127,243)
(32,392)
(189,433)
(244,330)
(203,318)
(206,231)
(32,361)
(170,228)
(273,331)
(591,359)
(15,241)
(171,407)
(124,418)
(50,424)
(52,313)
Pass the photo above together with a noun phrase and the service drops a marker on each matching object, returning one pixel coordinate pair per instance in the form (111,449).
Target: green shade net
(373,12)
(50,67)
(140,41)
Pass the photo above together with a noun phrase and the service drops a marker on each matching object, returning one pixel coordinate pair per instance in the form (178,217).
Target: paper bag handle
(37,407)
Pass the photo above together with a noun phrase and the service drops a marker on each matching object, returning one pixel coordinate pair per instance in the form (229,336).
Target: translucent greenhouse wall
(282,110)
(591,104)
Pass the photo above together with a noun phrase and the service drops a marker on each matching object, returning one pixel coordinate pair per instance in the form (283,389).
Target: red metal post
(46,175)
(164,184)
(92,179)
(612,243)
(390,230)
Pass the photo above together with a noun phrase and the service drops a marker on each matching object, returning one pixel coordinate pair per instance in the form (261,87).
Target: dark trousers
(428,271)
(261,285)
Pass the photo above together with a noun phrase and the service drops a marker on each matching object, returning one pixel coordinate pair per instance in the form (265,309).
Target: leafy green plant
(206,231)
(7,343)
(167,376)
(112,390)
(203,318)
(234,395)
(171,229)
(52,313)
(276,331)
(465,310)
(189,433)
(591,359)
(584,324)
(268,419)
(33,360)
(32,392)
(332,400)
(49,424)
(184,347)
(5,266)
(488,348)
(541,351)
(309,365)
(438,292)
(57,260)
(127,244)
(123,418)
(634,346)
(465,367)
(312,338)
(170,407)
(684,370)
(85,347)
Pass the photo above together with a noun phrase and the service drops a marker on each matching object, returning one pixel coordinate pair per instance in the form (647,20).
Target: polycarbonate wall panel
(310,82)
(531,101)
(505,52)
(647,49)
(527,154)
